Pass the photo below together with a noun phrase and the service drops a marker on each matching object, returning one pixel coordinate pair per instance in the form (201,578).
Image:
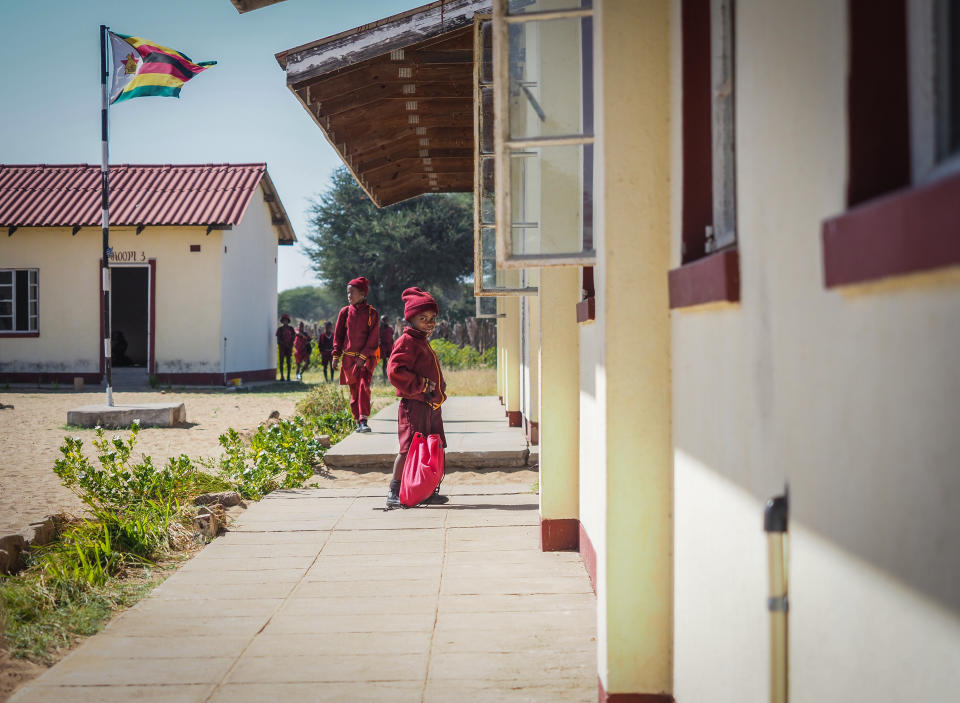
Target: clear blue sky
(237,111)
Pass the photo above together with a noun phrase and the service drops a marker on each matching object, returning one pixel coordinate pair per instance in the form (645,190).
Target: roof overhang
(248,5)
(395,98)
(278,214)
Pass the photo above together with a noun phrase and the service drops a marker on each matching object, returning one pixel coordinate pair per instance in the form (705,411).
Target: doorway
(130,316)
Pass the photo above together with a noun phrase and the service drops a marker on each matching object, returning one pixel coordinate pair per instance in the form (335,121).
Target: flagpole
(105,214)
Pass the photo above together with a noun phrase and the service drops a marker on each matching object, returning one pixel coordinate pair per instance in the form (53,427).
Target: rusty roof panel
(45,195)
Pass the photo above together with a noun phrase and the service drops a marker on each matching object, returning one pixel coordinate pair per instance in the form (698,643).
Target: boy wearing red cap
(357,338)
(414,370)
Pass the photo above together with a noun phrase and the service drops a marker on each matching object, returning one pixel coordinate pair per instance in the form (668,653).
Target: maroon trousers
(416,416)
(360,397)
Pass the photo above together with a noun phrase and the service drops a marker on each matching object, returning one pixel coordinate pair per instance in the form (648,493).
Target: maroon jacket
(412,364)
(386,340)
(357,338)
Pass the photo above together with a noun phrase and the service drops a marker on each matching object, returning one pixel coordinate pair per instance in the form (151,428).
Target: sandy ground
(33,425)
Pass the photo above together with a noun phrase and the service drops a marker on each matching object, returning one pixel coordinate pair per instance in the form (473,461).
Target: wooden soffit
(395,98)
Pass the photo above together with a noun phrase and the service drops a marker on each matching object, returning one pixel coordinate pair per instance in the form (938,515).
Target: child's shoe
(362,426)
(358,428)
(393,495)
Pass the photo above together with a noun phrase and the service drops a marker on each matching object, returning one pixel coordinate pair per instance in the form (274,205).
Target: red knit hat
(361,284)
(417,300)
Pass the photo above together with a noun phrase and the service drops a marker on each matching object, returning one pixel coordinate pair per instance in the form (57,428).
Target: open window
(710,267)
(542,93)
(904,169)
(488,279)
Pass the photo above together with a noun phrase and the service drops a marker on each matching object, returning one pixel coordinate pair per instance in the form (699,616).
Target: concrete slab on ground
(440,603)
(478,437)
(121,416)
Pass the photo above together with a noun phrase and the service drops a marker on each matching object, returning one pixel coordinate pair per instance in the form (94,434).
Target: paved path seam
(436,610)
(280,605)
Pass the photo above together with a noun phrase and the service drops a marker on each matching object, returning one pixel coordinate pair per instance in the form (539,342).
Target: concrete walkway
(477,437)
(317,595)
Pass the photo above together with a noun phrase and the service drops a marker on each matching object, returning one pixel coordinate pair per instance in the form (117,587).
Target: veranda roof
(395,98)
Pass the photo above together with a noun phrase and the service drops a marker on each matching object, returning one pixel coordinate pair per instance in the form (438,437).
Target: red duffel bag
(423,469)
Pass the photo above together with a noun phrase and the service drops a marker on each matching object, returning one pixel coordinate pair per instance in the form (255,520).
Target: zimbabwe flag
(142,67)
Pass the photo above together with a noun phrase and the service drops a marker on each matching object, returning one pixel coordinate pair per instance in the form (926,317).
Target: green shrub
(453,357)
(323,399)
(283,455)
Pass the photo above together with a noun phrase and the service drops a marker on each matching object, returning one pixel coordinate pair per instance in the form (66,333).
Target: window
(710,265)
(904,177)
(543,139)
(19,300)
(934,80)
(489,280)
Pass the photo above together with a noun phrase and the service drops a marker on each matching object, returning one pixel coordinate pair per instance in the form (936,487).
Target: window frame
(709,270)
(504,146)
(907,223)
(33,296)
(479,157)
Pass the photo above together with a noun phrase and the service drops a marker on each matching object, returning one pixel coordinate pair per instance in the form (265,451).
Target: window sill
(712,279)
(18,335)
(587,310)
(908,231)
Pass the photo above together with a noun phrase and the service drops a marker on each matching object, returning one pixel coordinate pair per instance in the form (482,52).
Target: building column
(635,572)
(510,325)
(559,409)
(530,366)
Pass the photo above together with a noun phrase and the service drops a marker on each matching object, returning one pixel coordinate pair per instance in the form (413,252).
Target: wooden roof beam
(371,95)
(405,153)
(342,130)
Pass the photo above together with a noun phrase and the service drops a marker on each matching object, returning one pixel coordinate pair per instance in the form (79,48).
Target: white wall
(249,290)
(852,397)
(69,300)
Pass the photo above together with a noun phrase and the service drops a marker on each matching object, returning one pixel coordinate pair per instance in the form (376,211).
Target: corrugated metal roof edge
(285,232)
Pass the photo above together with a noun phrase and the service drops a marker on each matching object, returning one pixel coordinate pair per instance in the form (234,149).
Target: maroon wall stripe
(605,697)
(560,535)
(589,556)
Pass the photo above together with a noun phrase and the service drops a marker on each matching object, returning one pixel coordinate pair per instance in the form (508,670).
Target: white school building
(193,268)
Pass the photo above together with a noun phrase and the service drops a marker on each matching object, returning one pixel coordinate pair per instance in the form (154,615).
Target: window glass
(19,305)
(947,29)
(546,85)
(519,7)
(544,137)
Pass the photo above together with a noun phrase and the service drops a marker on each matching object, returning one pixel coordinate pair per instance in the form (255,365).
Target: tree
(310,303)
(426,241)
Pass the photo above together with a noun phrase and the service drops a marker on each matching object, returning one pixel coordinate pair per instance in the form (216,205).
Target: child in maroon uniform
(325,347)
(357,338)
(285,337)
(301,351)
(414,370)
(386,343)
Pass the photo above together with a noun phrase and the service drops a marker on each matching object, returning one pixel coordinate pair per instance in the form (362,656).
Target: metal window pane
(32,276)
(6,307)
(550,203)
(6,277)
(487,205)
(724,142)
(486,120)
(520,7)
(486,53)
(6,324)
(546,77)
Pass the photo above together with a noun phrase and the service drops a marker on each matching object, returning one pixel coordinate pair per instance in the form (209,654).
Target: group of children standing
(413,367)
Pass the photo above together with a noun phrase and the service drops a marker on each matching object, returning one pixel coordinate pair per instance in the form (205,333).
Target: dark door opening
(130,315)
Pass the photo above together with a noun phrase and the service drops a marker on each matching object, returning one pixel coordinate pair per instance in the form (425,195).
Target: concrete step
(478,437)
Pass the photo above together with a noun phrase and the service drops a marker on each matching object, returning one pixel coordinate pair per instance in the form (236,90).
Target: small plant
(323,399)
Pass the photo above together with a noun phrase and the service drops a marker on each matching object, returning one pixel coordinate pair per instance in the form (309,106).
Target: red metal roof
(43,195)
